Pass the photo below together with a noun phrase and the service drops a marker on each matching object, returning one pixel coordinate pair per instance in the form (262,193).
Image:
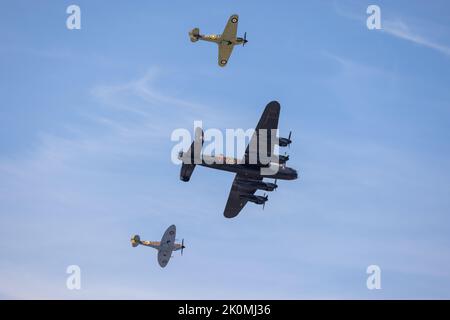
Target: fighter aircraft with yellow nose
(165,247)
(226,41)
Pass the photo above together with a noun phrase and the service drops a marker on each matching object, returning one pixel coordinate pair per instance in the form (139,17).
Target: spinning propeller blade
(266,197)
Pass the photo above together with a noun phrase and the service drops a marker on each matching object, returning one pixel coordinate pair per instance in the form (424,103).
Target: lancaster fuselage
(272,170)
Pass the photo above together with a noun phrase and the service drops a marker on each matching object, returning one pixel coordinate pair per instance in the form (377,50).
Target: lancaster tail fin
(192,156)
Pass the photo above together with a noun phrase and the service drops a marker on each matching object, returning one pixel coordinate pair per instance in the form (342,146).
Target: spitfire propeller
(245,39)
(182,246)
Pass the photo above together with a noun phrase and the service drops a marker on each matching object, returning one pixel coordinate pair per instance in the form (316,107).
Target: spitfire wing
(267,123)
(168,238)
(164,257)
(230,31)
(235,202)
(167,242)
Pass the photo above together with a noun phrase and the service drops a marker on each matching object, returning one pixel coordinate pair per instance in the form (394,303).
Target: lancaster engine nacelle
(284,142)
(255,199)
(261,185)
(283,159)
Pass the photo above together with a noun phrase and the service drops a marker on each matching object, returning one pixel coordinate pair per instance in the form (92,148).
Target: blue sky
(85,124)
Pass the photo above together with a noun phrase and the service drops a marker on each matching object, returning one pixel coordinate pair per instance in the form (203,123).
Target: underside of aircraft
(249,176)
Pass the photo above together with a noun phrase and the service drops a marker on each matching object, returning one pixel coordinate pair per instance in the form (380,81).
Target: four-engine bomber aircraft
(164,247)
(249,177)
(226,41)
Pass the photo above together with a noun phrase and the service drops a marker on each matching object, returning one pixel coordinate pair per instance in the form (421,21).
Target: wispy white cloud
(400,29)
(397,26)
(358,69)
(145,89)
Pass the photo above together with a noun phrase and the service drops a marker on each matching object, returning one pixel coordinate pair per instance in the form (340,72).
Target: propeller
(284,160)
(180,154)
(265,197)
(289,138)
(182,246)
(245,39)
(276,184)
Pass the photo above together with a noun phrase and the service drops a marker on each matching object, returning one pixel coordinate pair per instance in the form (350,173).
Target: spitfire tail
(191,157)
(194,34)
(135,241)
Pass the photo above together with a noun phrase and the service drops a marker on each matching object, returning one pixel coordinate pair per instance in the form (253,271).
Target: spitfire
(226,41)
(165,247)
